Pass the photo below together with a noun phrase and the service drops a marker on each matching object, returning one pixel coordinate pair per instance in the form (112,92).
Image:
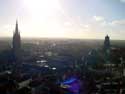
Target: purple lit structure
(71,84)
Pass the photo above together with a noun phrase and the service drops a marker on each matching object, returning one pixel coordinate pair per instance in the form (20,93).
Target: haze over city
(62,47)
(87,19)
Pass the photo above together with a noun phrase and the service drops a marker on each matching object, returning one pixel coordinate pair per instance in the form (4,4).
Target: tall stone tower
(107,48)
(16,44)
(107,43)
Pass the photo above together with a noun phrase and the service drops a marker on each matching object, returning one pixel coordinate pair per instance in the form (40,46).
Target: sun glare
(43,14)
(42,8)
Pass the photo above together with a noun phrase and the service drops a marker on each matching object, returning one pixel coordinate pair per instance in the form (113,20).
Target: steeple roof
(16,28)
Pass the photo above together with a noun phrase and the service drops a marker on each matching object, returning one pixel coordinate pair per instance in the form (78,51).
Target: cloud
(6,30)
(118,22)
(122,1)
(98,18)
(86,26)
(9,27)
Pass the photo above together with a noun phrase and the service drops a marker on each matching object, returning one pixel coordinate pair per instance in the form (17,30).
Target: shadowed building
(17,44)
(107,49)
(107,43)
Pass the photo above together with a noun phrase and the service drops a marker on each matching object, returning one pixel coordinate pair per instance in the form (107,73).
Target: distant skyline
(87,19)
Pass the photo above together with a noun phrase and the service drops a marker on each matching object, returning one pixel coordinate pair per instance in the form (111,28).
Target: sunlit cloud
(118,22)
(98,18)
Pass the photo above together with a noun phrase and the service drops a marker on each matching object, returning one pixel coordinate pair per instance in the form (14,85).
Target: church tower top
(107,42)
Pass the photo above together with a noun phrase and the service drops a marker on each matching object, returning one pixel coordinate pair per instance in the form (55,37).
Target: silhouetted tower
(107,48)
(16,44)
(107,43)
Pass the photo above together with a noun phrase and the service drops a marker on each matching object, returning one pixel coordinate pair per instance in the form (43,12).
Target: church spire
(16,42)
(16,28)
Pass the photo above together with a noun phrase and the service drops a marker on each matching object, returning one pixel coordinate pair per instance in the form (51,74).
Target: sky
(87,19)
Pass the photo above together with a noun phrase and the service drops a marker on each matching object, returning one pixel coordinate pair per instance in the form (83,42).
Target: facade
(16,44)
